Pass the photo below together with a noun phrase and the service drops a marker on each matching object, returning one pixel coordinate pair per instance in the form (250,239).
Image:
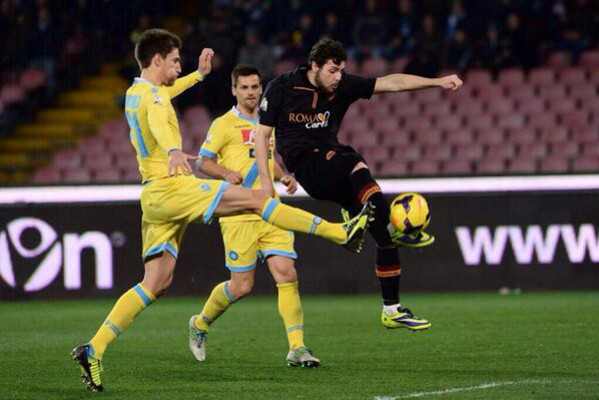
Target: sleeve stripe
(206,153)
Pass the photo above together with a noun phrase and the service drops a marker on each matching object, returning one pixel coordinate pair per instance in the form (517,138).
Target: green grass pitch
(481,346)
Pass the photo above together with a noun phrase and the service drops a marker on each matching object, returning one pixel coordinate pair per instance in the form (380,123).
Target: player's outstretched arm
(261,150)
(210,167)
(401,82)
(184,83)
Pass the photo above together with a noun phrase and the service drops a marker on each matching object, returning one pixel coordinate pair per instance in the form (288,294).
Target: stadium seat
(425,167)
(97,160)
(457,167)
(511,77)
(107,175)
(589,59)
(478,77)
(450,122)
(92,145)
(522,93)
(438,152)
(406,110)
(417,124)
(522,135)
(399,64)
(561,105)
(559,59)
(283,66)
(395,137)
(131,176)
(575,119)
(572,75)
(565,150)
(471,151)
(480,122)
(47,175)
(585,164)
(583,91)
(124,161)
(590,150)
(512,121)
(407,153)
(428,136)
(501,151)
(428,96)
(468,107)
(459,136)
(542,121)
(558,135)
(67,159)
(522,165)
(490,165)
(490,136)
(365,139)
(554,91)
(439,109)
(374,67)
(531,106)
(533,151)
(393,168)
(500,106)
(553,164)
(542,76)
(586,135)
(118,147)
(377,154)
(490,92)
(77,176)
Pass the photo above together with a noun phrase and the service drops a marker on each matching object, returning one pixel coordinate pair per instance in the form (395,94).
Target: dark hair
(243,70)
(327,49)
(155,41)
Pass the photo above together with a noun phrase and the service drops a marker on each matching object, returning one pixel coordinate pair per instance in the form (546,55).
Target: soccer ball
(409,214)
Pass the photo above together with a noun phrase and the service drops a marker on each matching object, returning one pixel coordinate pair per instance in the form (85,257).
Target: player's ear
(233,91)
(157,60)
(314,66)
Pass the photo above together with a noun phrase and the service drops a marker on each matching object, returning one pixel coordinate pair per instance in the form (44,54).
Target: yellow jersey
(230,141)
(154,130)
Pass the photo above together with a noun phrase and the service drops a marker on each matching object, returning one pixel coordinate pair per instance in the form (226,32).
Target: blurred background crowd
(48,47)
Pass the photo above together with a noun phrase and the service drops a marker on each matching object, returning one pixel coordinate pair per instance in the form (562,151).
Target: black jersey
(305,118)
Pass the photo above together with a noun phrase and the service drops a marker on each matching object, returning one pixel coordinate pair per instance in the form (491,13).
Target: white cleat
(197,340)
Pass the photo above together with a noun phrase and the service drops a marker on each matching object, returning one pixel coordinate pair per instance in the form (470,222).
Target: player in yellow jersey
(228,153)
(172,197)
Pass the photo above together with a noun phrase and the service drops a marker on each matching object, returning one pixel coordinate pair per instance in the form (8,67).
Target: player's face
(329,75)
(170,67)
(248,91)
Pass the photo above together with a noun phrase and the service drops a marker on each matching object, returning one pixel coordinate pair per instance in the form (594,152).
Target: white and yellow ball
(409,213)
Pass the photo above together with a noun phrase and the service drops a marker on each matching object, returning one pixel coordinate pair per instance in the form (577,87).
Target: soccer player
(306,108)
(228,154)
(172,197)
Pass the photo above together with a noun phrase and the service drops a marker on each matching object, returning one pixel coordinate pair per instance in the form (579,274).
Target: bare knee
(259,197)
(159,273)
(241,287)
(282,269)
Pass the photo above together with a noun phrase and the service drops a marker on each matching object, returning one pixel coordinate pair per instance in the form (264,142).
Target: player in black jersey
(306,107)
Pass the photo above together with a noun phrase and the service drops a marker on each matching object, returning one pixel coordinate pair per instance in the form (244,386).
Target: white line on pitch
(461,389)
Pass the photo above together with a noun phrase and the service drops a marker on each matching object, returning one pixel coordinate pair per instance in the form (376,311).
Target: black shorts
(324,174)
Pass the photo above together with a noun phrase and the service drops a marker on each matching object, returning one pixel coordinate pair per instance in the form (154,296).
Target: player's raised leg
(157,278)
(236,200)
(388,266)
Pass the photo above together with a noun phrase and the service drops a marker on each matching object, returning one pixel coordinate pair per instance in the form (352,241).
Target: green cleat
(197,339)
(302,357)
(404,318)
(90,367)
(356,227)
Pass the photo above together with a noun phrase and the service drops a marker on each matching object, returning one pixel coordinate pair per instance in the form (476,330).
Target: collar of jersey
(300,76)
(242,116)
(142,80)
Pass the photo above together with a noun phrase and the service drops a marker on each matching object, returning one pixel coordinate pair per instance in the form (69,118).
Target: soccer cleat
(404,318)
(302,357)
(416,240)
(197,340)
(356,227)
(90,367)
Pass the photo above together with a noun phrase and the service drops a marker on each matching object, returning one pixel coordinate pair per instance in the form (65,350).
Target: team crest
(205,187)
(157,100)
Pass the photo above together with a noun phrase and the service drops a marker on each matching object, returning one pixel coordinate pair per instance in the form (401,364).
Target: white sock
(392,309)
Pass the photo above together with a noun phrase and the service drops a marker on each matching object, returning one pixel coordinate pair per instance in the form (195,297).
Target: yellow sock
(220,299)
(290,309)
(294,219)
(127,307)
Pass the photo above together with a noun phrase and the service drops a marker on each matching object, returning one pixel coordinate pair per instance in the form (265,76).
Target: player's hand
(178,160)
(205,61)
(290,182)
(450,82)
(234,177)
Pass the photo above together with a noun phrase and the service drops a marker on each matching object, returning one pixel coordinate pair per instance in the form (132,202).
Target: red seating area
(109,157)
(546,121)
